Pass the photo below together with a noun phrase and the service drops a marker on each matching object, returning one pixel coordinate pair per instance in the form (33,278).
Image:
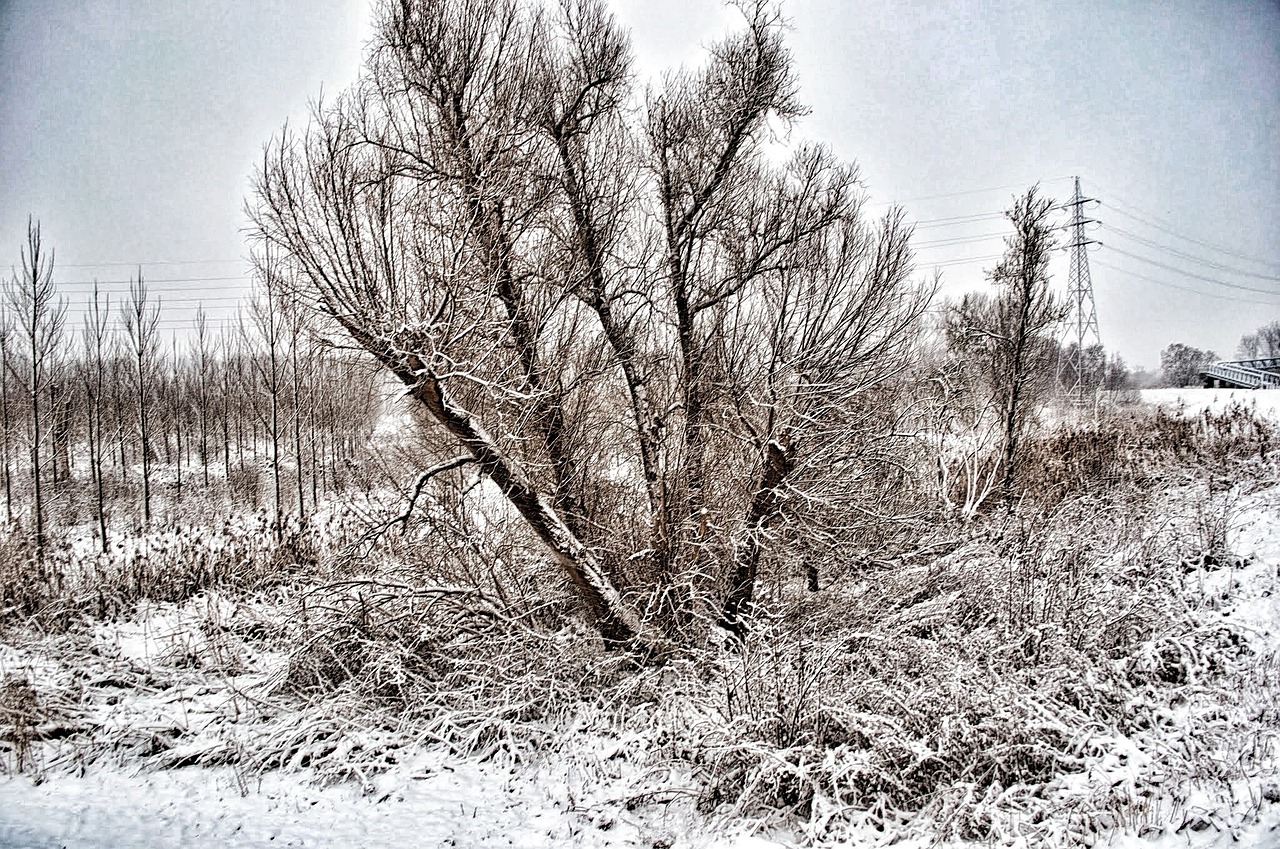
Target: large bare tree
(640,325)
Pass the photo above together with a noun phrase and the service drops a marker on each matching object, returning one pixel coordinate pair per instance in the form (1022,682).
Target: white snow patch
(432,801)
(1194,401)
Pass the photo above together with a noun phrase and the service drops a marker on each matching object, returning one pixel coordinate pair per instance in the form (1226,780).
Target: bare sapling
(39,315)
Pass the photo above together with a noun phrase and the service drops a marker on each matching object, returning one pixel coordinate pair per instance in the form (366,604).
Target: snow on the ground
(1247,595)
(176,672)
(430,799)
(559,798)
(432,803)
(1195,400)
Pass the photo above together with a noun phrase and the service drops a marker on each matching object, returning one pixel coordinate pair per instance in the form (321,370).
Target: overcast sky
(130,130)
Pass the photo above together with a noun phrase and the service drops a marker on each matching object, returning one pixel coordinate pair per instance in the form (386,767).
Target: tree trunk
(618,624)
(776,462)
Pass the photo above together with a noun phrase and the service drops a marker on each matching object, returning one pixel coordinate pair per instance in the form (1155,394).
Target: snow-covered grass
(1098,665)
(170,561)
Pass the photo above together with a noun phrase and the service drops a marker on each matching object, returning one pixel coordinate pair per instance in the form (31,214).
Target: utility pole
(1084,314)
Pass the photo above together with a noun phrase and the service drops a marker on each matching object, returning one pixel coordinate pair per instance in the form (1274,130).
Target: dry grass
(1044,674)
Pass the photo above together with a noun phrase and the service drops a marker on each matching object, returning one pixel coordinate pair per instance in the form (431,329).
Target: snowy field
(591,789)
(431,803)
(1195,400)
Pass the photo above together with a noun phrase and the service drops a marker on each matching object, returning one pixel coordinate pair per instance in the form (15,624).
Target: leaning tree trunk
(619,625)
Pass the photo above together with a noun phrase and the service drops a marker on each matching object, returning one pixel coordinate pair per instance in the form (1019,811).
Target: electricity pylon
(1083,319)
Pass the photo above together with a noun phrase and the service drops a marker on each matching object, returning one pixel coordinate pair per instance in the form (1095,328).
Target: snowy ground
(575,796)
(153,674)
(1195,400)
(430,798)
(459,804)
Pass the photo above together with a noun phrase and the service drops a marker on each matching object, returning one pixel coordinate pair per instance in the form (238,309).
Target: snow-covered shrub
(25,587)
(991,687)
(1140,447)
(20,713)
(1071,462)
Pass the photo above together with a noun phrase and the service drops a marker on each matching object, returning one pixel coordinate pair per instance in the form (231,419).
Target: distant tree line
(1180,364)
(116,418)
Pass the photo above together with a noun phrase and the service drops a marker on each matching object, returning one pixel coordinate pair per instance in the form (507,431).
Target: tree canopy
(648,331)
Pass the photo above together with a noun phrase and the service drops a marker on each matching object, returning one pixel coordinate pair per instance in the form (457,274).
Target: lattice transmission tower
(1083,319)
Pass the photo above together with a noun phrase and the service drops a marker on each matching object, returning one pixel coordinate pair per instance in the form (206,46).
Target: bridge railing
(1241,374)
(1265,363)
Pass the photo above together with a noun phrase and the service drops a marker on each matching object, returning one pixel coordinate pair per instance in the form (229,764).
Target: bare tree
(1263,343)
(1180,364)
(6,332)
(39,314)
(62,400)
(203,354)
(174,411)
(639,329)
(141,337)
(97,345)
(268,321)
(225,387)
(1009,335)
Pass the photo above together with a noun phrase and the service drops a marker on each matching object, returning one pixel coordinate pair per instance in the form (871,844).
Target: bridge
(1243,374)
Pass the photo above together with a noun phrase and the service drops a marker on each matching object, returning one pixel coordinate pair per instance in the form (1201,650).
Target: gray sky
(130,130)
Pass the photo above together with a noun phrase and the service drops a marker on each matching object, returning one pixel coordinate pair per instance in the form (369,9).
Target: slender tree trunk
(202,397)
(177,425)
(98,483)
(311,437)
(275,450)
(145,449)
(239,435)
(4,406)
(121,440)
(142,321)
(37,507)
(226,437)
(297,422)
(93,427)
(52,406)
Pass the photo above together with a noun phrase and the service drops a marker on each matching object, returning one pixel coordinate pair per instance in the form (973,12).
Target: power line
(146,263)
(959,240)
(1133,213)
(1192,257)
(963,261)
(1200,242)
(216,301)
(1176,270)
(956,220)
(1159,282)
(1018,185)
(150,280)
